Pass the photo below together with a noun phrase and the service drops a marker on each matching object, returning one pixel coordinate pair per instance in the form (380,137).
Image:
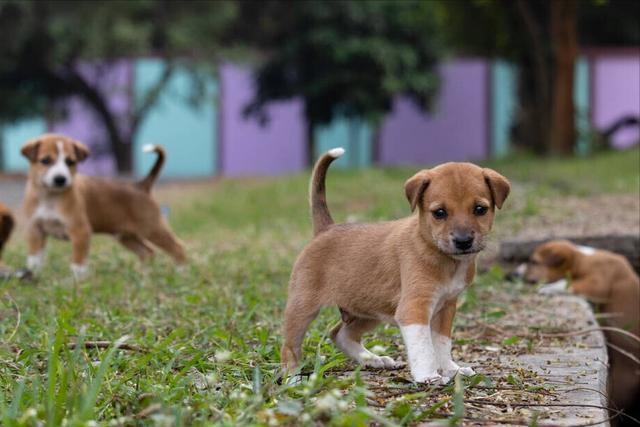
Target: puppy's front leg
(441,327)
(80,236)
(413,316)
(557,287)
(36,241)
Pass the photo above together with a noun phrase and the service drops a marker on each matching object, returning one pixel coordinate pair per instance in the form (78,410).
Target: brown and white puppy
(409,271)
(7,223)
(64,204)
(608,280)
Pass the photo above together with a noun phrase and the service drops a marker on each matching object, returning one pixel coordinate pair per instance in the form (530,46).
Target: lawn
(201,344)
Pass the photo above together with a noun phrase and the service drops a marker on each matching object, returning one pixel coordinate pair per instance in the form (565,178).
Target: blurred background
(250,88)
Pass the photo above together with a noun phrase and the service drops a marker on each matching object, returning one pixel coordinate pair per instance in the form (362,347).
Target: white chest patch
(49,221)
(450,290)
(586,250)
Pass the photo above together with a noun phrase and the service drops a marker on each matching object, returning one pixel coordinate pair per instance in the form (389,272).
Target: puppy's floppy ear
(556,256)
(81,150)
(30,149)
(415,187)
(498,185)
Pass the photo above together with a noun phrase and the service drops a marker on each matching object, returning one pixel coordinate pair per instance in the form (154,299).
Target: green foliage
(42,41)
(346,57)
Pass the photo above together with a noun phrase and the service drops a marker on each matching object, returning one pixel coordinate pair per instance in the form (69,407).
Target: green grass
(210,333)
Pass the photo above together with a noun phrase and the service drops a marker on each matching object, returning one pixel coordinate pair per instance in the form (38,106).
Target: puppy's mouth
(467,252)
(56,188)
(450,249)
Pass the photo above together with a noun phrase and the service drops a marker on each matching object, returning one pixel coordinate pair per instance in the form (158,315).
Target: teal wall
(504,103)
(355,136)
(581,102)
(503,106)
(13,138)
(189,134)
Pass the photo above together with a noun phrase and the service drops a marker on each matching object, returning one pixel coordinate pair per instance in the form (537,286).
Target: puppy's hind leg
(137,245)
(347,336)
(161,236)
(298,315)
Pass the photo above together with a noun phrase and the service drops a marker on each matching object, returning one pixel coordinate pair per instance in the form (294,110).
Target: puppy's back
(115,206)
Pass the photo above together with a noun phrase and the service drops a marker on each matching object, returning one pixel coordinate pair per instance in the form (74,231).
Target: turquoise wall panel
(503,106)
(13,137)
(581,101)
(188,133)
(355,136)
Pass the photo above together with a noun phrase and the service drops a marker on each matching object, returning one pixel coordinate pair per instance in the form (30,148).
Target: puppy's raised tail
(147,182)
(317,196)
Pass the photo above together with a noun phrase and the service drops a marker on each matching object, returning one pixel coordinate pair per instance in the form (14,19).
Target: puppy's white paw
(380,362)
(35,261)
(80,271)
(432,378)
(452,368)
(558,287)
(467,371)
(293,380)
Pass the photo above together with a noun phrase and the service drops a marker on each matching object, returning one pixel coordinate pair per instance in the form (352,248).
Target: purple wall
(616,93)
(80,122)
(248,148)
(458,128)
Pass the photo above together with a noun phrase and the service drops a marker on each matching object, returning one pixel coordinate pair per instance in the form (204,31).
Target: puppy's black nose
(59,180)
(463,242)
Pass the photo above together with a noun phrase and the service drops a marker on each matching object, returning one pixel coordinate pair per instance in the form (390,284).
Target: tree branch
(151,97)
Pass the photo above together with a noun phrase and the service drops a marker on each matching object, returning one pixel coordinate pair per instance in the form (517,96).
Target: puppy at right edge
(408,272)
(609,281)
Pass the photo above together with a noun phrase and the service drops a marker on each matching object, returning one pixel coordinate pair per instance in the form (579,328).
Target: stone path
(525,375)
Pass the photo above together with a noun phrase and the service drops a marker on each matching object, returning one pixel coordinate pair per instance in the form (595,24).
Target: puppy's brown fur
(608,280)
(7,223)
(399,271)
(86,205)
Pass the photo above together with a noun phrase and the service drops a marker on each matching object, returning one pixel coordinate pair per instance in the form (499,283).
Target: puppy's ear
(81,150)
(557,256)
(415,187)
(498,185)
(30,149)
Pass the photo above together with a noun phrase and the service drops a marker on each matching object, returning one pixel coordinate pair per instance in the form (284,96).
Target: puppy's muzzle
(463,243)
(60,181)
(463,240)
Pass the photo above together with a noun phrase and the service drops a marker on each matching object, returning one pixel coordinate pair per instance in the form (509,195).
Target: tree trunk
(565,46)
(122,154)
(311,143)
(535,118)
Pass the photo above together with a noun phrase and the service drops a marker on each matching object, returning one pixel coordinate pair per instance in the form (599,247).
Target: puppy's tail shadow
(317,197)
(147,182)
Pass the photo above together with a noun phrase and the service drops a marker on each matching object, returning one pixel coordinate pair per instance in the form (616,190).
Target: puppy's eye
(70,162)
(439,213)
(46,160)
(480,210)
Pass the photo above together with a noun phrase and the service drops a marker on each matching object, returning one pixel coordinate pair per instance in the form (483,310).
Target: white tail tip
(336,152)
(148,148)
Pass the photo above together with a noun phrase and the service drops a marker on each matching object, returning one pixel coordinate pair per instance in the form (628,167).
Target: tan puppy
(6,226)
(66,205)
(408,271)
(606,279)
